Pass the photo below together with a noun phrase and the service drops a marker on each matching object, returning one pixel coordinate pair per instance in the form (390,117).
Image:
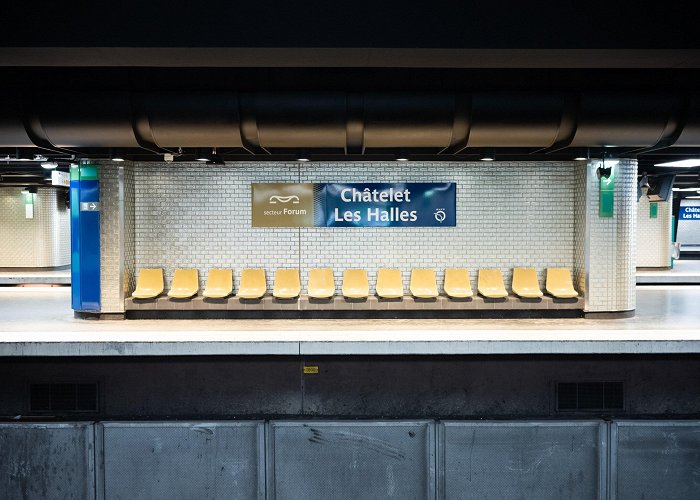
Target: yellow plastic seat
(389,283)
(149,285)
(185,284)
(457,283)
(355,284)
(490,284)
(559,283)
(219,284)
(287,284)
(423,283)
(321,283)
(253,284)
(525,283)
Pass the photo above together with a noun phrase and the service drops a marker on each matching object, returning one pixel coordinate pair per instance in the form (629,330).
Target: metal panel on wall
(48,461)
(543,460)
(181,460)
(655,459)
(364,460)
(85,237)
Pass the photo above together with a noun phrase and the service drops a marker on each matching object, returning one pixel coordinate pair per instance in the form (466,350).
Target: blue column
(85,237)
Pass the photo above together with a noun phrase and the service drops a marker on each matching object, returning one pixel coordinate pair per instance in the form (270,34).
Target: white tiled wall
(580,211)
(43,241)
(110,248)
(198,216)
(654,235)
(117,209)
(508,215)
(129,229)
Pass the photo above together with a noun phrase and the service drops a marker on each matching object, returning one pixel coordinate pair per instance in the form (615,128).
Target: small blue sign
(386,204)
(689,213)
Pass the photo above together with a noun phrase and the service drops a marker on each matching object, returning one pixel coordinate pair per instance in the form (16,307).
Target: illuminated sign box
(354,205)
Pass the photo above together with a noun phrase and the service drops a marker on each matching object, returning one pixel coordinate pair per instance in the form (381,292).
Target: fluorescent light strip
(693,162)
(688,189)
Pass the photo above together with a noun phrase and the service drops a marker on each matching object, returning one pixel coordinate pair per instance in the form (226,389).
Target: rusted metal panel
(655,459)
(525,459)
(181,460)
(48,461)
(367,459)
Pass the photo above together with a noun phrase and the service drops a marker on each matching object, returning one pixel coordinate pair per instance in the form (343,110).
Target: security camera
(604,172)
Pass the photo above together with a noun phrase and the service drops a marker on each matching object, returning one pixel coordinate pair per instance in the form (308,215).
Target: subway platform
(39,322)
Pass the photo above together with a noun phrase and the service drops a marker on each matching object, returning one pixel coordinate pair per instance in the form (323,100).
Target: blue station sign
(404,204)
(689,213)
(389,205)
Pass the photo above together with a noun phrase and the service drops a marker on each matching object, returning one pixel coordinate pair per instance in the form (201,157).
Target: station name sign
(689,213)
(354,205)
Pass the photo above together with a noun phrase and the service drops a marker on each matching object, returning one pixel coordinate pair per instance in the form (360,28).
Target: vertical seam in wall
(121,237)
(299,240)
(586,239)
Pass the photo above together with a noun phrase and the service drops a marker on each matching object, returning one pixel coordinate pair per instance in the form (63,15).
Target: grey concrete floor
(10,276)
(35,309)
(39,321)
(683,272)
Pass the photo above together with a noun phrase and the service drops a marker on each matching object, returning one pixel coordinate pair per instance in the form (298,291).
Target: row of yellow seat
(321,284)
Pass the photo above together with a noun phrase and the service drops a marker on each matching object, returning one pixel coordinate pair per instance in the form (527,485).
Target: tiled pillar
(654,230)
(605,247)
(116,235)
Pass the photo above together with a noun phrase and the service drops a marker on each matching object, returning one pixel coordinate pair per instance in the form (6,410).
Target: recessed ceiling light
(692,162)
(117,158)
(580,158)
(488,155)
(22,155)
(202,155)
(302,159)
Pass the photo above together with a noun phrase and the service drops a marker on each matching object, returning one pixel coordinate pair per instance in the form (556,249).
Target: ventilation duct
(265,121)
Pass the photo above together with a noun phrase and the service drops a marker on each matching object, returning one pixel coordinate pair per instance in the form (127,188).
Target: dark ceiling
(558,47)
(565,24)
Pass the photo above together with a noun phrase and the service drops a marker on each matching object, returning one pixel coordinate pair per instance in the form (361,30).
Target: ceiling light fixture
(212,158)
(303,156)
(22,155)
(201,154)
(689,163)
(582,154)
(488,155)
(49,165)
(115,155)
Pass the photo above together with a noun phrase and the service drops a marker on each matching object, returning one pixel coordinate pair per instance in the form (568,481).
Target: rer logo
(283,205)
(440,215)
(283,199)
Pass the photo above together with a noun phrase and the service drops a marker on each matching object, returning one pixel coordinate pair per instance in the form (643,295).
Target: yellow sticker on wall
(310,370)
